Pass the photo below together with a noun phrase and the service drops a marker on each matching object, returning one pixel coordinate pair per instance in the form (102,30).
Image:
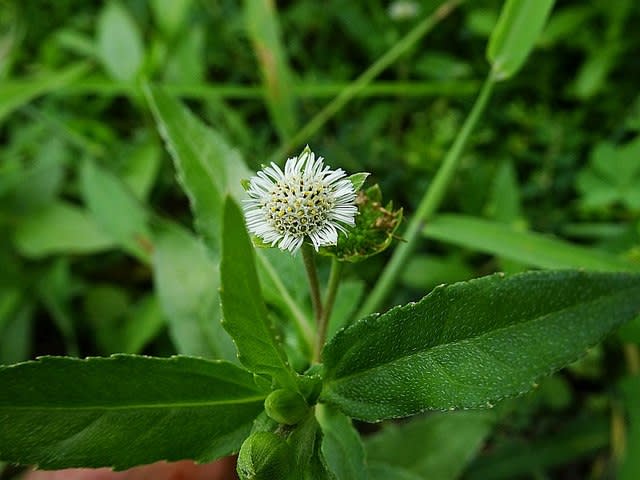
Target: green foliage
(437,445)
(163,404)
(515,34)
(612,177)
(448,350)
(245,314)
(98,255)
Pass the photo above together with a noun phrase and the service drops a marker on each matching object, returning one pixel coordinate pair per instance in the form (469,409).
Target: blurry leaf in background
(115,208)
(14,94)
(424,272)
(16,324)
(264,31)
(529,248)
(141,168)
(629,468)
(56,288)
(186,283)
(185,64)
(515,35)
(60,228)
(347,300)
(437,445)
(119,324)
(170,15)
(612,177)
(119,41)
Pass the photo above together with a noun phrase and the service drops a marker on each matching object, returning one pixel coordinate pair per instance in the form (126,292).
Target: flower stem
(308,256)
(428,205)
(332,289)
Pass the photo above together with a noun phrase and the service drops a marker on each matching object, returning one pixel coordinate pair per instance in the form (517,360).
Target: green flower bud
(264,456)
(286,406)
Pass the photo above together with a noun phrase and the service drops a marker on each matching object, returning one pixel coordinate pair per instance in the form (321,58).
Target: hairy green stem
(332,290)
(428,205)
(354,88)
(308,256)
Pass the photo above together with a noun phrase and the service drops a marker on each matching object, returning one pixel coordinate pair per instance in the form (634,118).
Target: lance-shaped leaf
(341,445)
(123,410)
(244,311)
(515,35)
(472,343)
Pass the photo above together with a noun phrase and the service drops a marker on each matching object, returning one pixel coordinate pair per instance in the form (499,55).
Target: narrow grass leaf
(530,248)
(513,38)
(262,26)
(472,343)
(123,410)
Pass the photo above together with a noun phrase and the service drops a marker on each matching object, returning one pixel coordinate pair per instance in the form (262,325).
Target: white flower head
(306,201)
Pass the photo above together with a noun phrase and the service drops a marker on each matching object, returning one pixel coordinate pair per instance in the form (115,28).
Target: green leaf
(515,35)
(187,282)
(358,179)
(244,311)
(59,228)
(170,15)
(341,445)
(472,343)
(116,210)
(527,247)
(207,167)
(264,31)
(14,94)
(382,471)
(119,41)
(123,410)
(525,457)
(629,468)
(434,446)
(305,440)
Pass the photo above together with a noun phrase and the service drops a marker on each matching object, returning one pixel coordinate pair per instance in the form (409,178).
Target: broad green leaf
(14,94)
(341,445)
(60,228)
(141,169)
(123,410)
(264,31)
(245,314)
(120,47)
(515,35)
(629,468)
(116,210)
(142,325)
(187,281)
(434,446)
(207,167)
(527,247)
(472,343)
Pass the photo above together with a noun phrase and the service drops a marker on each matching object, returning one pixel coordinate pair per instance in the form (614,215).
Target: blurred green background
(86,183)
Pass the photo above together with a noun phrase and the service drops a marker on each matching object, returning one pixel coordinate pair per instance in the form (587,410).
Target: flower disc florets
(307,200)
